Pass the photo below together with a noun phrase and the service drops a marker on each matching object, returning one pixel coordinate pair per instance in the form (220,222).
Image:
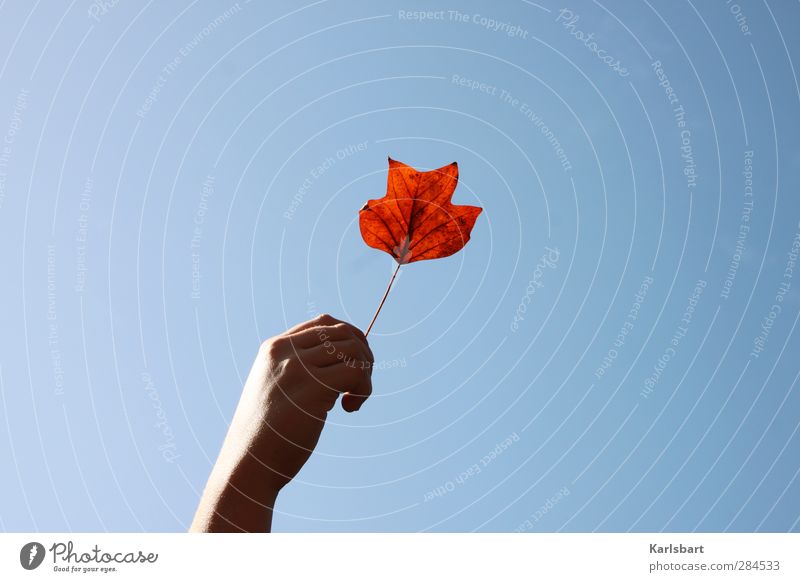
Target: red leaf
(416,221)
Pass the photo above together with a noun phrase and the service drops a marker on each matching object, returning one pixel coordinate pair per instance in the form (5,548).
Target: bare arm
(293,384)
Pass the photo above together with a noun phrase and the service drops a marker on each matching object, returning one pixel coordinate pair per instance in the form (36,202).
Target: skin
(295,381)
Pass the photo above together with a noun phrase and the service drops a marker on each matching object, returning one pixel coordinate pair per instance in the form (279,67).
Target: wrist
(239,497)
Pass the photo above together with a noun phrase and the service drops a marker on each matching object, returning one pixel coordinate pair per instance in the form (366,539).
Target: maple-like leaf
(416,219)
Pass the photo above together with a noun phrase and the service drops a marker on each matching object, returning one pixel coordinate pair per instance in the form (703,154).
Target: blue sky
(612,351)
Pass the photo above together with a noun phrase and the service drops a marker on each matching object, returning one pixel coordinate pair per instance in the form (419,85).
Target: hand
(293,384)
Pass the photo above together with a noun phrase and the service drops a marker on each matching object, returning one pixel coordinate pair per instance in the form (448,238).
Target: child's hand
(294,382)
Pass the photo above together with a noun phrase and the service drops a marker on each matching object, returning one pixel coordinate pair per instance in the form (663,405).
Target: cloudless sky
(614,350)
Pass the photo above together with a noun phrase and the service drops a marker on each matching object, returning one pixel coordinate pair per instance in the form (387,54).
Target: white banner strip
(355,557)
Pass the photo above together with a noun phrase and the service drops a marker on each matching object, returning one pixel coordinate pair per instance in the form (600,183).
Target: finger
(355,353)
(320,321)
(323,319)
(358,334)
(318,335)
(369,349)
(353,402)
(350,351)
(353,399)
(354,382)
(313,336)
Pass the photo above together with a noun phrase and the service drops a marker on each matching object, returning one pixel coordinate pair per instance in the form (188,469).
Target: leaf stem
(374,317)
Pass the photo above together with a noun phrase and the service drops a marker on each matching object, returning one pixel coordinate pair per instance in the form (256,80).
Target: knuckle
(352,329)
(293,366)
(341,328)
(275,347)
(326,319)
(267,347)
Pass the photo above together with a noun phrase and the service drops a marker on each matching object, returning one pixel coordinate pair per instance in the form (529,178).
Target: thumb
(352,402)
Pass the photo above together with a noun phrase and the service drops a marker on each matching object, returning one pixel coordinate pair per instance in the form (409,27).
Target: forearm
(237,498)
(294,382)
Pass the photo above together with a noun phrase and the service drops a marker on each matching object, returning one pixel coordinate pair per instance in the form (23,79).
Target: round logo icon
(31,555)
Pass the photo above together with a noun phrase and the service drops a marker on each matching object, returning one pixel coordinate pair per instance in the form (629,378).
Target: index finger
(319,320)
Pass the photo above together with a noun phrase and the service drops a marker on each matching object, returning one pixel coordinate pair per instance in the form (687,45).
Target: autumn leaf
(416,220)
